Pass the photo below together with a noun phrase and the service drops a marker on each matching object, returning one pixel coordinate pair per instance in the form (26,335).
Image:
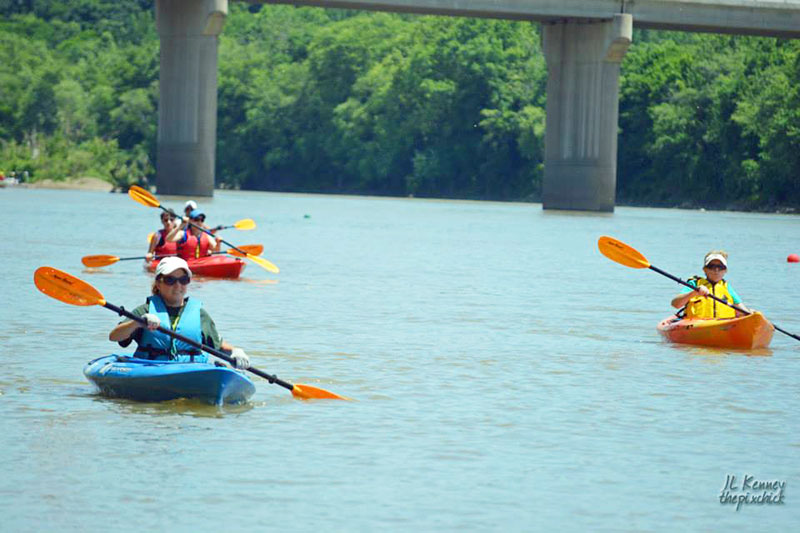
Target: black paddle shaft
(217,353)
(161,256)
(171,212)
(682,282)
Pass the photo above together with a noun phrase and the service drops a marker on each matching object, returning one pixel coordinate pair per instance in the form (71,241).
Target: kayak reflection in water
(697,302)
(169,306)
(159,245)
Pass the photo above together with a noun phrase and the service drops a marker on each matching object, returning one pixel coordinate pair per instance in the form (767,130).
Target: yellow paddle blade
(260,261)
(245,223)
(150,236)
(252,249)
(143,196)
(307,392)
(66,287)
(621,253)
(95,261)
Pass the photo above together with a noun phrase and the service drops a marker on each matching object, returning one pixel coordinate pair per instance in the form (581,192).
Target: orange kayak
(215,266)
(746,332)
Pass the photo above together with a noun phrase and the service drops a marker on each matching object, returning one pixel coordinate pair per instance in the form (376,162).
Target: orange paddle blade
(252,249)
(260,261)
(101,260)
(307,392)
(621,253)
(246,224)
(143,196)
(66,287)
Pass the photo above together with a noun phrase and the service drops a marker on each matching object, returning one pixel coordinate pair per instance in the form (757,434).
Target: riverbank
(83,184)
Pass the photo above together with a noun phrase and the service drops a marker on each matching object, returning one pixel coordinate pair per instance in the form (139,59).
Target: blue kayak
(143,380)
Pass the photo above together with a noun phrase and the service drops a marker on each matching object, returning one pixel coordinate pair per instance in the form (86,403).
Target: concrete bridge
(584,42)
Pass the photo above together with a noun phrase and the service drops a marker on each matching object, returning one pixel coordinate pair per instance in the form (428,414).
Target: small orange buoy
(793,258)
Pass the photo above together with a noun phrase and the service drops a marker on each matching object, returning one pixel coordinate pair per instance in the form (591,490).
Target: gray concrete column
(580,162)
(187,110)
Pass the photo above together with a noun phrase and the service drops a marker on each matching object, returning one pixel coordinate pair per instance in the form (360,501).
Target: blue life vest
(158,346)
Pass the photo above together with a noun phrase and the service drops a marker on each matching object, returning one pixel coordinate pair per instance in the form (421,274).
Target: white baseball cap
(168,265)
(718,257)
(190,203)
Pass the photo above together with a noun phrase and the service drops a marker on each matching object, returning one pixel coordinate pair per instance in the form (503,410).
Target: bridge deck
(775,18)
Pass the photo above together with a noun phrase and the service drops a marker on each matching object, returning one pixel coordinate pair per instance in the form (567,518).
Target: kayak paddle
(144,197)
(244,224)
(71,290)
(101,260)
(621,253)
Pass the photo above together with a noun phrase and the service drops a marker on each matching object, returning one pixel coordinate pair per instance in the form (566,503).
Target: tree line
(339,101)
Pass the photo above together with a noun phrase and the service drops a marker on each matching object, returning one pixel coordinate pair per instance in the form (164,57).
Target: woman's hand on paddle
(152,321)
(240,359)
(701,291)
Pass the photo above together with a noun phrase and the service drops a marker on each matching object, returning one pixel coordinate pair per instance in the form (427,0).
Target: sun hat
(191,203)
(196,214)
(168,265)
(718,257)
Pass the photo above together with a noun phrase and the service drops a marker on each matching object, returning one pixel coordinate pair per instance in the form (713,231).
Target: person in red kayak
(697,302)
(170,307)
(192,242)
(159,245)
(189,206)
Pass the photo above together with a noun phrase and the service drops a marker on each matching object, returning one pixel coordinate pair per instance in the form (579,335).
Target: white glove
(152,321)
(240,359)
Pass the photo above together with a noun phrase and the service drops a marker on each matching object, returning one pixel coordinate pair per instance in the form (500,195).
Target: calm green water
(508,376)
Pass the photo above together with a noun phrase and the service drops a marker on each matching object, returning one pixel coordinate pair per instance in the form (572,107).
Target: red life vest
(191,247)
(163,247)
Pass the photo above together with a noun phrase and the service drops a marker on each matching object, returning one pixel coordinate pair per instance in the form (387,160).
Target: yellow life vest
(704,307)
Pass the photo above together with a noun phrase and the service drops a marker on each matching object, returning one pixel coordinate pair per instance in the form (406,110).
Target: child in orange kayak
(192,242)
(159,245)
(697,302)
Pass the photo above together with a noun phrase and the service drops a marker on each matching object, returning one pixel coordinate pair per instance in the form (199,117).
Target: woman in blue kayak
(697,302)
(169,306)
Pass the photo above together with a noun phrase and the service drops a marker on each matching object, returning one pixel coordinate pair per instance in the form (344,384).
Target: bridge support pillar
(580,162)
(187,110)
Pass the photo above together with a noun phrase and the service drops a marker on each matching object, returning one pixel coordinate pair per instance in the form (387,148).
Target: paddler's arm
(176,234)
(683,298)
(213,244)
(738,301)
(125,330)
(151,251)
(211,337)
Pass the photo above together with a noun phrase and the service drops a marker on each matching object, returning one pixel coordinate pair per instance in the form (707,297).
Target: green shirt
(210,337)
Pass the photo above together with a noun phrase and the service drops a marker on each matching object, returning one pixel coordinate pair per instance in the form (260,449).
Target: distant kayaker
(189,206)
(159,245)
(697,302)
(169,306)
(192,242)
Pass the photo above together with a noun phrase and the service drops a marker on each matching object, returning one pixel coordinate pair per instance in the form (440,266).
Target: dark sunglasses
(716,267)
(169,280)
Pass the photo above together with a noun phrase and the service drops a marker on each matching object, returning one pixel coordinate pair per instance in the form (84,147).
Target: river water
(507,376)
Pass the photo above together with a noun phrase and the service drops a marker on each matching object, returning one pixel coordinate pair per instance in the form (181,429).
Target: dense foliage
(343,101)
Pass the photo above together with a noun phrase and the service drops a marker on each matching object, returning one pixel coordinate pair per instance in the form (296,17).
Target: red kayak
(213,266)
